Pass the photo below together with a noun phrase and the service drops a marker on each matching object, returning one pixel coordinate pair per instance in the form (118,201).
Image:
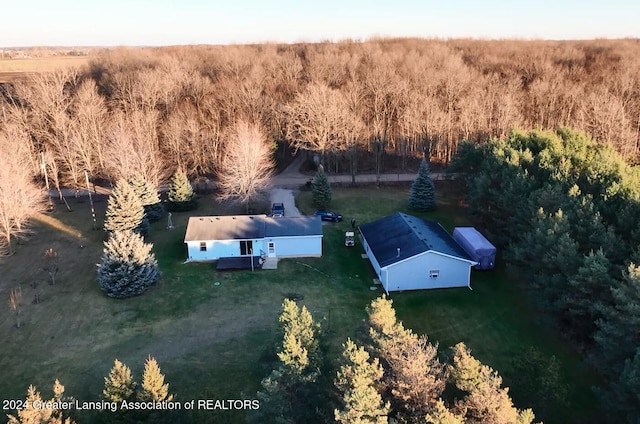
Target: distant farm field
(12,69)
(214,333)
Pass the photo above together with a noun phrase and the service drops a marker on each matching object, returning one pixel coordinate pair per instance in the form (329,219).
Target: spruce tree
(153,388)
(624,399)
(128,266)
(125,211)
(119,385)
(422,197)
(299,353)
(320,189)
(359,381)
(181,195)
(148,195)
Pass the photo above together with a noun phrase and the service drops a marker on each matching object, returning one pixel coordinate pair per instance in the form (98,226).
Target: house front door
(271,249)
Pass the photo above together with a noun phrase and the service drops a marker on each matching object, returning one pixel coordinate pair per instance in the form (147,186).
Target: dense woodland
(167,107)
(563,203)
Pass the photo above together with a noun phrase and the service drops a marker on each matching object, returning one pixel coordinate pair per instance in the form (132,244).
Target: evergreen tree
(320,189)
(128,266)
(422,197)
(148,195)
(119,385)
(358,381)
(624,399)
(414,378)
(290,392)
(37,411)
(484,400)
(181,195)
(153,388)
(589,289)
(299,353)
(617,335)
(441,415)
(125,211)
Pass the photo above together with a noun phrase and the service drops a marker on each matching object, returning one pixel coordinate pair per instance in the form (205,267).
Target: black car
(326,215)
(277,210)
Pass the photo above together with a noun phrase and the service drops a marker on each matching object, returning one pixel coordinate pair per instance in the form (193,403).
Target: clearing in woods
(16,69)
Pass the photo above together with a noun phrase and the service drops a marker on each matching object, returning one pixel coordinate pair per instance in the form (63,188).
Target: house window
(246,247)
(203,246)
(434,273)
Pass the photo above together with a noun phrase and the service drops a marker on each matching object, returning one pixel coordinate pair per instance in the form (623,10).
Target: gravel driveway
(281,195)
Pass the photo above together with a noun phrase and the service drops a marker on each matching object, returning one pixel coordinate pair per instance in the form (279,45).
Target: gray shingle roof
(400,236)
(245,227)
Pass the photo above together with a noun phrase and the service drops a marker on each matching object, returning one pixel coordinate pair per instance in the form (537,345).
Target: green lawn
(217,341)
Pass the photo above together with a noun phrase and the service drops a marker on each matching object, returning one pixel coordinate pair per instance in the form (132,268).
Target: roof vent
(218,218)
(233,217)
(398,253)
(201,219)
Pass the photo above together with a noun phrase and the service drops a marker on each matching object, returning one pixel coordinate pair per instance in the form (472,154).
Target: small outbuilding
(477,246)
(209,238)
(410,253)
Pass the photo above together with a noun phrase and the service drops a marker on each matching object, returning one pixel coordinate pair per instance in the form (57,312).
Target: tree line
(567,213)
(163,108)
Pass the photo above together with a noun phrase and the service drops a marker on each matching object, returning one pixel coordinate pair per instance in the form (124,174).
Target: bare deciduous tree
(20,198)
(247,165)
(133,148)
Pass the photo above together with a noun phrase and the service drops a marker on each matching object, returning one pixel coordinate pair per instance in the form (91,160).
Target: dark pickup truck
(277,210)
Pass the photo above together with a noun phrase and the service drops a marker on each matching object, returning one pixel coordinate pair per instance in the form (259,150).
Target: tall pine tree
(37,411)
(128,267)
(181,195)
(119,385)
(483,399)
(290,393)
(153,387)
(359,381)
(320,189)
(125,211)
(422,197)
(617,335)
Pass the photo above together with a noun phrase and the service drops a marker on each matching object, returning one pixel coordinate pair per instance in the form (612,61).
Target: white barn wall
(296,246)
(413,273)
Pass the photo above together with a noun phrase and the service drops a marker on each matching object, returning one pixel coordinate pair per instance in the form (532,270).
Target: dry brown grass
(13,69)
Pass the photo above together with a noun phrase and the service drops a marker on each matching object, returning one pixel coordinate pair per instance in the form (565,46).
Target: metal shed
(477,246)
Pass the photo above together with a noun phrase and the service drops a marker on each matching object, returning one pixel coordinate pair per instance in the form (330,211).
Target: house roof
(400,236)
(293,226)
(246,227)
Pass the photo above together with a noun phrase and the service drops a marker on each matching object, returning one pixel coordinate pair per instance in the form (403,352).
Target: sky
(165,22)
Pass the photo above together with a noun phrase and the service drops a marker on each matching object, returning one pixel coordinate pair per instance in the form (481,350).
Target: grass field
(12,69)
(217,341)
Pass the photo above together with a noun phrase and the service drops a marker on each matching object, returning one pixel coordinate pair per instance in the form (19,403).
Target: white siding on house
(217,249)
(372,259)
(296,246)
(414,273)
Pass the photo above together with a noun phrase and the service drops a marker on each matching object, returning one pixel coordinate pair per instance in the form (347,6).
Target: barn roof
(400,236)
(246,227)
